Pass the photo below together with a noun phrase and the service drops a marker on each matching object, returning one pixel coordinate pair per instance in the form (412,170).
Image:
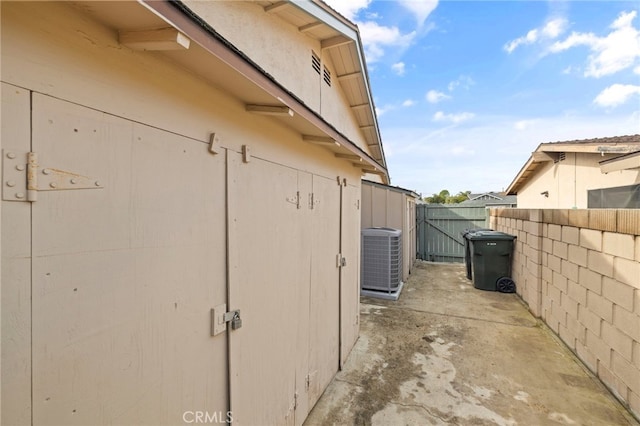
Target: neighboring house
(589,173)
(490,199)
(392,207)
(165,164)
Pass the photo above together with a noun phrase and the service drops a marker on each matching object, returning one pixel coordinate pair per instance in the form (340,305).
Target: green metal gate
(439,229)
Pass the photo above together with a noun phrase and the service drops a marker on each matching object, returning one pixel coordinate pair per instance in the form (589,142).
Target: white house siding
(106,293)
(285,53)
(569,181)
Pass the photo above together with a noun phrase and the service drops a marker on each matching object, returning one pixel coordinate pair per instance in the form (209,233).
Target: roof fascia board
(515,184)
(590,148)
(624,162)
(173,14)
(391,188)
(325,16)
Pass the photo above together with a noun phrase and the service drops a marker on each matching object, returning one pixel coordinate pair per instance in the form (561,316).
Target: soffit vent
(315,62)
(561,157)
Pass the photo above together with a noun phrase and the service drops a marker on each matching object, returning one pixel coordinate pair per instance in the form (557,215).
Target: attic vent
(315,62)
(326,76)
(561,157)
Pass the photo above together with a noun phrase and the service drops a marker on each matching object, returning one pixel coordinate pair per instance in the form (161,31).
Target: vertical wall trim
(340,319)
(226,273)
(31,148)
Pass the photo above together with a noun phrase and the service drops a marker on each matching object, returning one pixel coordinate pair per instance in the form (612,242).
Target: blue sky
(466,90)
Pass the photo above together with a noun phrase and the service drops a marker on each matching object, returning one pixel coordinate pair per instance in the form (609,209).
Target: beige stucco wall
(578,270)
(569,180)
(92,71)
(56,52)
(386,207)
(285,53)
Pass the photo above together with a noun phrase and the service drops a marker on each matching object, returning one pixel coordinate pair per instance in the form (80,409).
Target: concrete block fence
(579,270)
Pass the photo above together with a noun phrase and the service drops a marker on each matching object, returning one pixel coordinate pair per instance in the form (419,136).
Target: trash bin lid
(489,235)
(470,231)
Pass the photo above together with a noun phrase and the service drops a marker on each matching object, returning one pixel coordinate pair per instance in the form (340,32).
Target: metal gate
(439,228)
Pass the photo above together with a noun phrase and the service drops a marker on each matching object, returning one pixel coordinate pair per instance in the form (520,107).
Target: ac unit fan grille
(381,259)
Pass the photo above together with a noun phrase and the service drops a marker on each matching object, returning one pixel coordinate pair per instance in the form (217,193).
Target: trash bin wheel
(505,285)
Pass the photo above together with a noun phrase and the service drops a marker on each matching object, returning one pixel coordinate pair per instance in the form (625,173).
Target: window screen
(621,197)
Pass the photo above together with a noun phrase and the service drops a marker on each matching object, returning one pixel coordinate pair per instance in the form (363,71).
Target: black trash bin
(491,256)
(467,247)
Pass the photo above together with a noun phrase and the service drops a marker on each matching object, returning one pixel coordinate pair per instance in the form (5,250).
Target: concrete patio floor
(447,353)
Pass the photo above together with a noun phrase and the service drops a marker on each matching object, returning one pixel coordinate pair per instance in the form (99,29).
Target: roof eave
(180,17)
(336,21)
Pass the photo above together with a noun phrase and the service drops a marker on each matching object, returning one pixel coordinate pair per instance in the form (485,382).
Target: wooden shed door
(124,275)
(285,280)
(269,266)
(350,272)
(324,305)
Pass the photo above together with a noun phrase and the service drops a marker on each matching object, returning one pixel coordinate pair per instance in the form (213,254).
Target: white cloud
(391,107)
(398,68)
(463,81)
(349,9)
(616,94)
(420,9)
(530,38)
(453,118)
(614,52)
(384,109)
(376,37)
(552,29)
(624,20)
(636,70)
(524,124)
(433,96)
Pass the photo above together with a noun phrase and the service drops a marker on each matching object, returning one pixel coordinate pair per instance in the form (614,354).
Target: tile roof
(606,140)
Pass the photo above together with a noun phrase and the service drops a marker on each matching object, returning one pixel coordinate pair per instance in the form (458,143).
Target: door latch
(220,317)
(234,318)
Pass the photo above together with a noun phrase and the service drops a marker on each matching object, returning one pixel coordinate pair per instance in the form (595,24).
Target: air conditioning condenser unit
(381,264)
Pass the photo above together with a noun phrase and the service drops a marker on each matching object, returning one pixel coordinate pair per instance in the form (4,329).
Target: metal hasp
(23,178)
(234,318)
(220,317)
(295,199)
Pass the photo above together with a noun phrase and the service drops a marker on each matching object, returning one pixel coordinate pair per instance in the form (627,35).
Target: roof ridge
(607,139)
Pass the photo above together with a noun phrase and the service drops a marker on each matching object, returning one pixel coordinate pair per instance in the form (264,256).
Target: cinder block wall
(579,270)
